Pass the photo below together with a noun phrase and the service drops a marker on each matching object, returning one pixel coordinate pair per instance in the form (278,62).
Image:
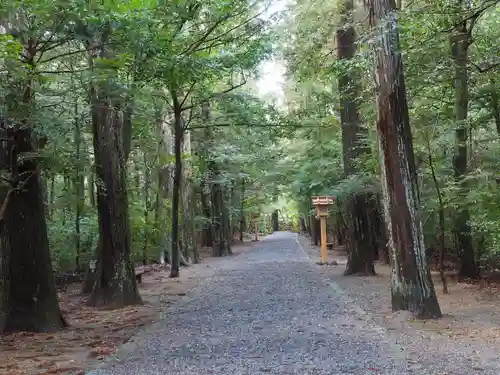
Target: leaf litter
(95,334)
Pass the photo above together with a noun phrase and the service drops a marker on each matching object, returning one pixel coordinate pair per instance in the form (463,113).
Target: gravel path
(267,311)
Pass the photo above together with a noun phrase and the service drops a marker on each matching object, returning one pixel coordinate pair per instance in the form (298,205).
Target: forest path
(266,311)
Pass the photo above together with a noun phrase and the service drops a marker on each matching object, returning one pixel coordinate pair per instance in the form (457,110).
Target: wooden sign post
(321,204)
(255,219)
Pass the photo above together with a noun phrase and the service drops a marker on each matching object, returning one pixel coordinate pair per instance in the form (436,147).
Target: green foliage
(144,53)
(312,96)
(265,157)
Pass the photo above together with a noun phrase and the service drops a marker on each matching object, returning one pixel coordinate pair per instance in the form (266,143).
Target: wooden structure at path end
(322,204)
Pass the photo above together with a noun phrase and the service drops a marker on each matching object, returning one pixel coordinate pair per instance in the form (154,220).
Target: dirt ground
(94,334)
(471,311)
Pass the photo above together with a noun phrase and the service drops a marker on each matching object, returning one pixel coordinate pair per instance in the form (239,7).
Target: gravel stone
(270,311)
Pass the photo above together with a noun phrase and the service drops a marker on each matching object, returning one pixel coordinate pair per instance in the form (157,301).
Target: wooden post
(322,204)
(323,238)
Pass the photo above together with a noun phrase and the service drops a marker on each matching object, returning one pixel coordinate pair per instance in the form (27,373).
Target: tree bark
(92,189)
(115,284)
(495,105)
(147,207)
(314,230)
(412,288)
(359,241)
(32,303)
(220,246)
(207,235)
(52,194)
(460,42)
(242,209)
(440,217)
(4,267)
(360,207)
(275,219)
(379,235)
(178,132)
(188,227)
(79,187)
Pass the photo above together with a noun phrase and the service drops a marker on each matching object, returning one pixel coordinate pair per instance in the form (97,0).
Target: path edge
(400,355)
(142,335)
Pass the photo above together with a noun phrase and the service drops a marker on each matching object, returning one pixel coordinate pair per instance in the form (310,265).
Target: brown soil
(94,334)
(471,310)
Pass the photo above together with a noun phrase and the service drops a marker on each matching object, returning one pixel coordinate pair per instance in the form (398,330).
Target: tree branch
(233,87)
(207,33)
(219,37)
(187,93)
(70,53)
(473,17)
(486,69)
(190,118)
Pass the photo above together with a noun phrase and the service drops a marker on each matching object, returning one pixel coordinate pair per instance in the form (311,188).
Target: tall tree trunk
(167,177)
(52,196)
(178,132)
(314,230)
(45,188)
(411,284)
(161,191)
(127,124)
(495,105)
(188,228)
(79,192)
(228,221)
(92,189)
(218,236)
(147,207)
(460,42)
(31,301)
(115,284)
(361,207)
(79,187)
(220,245)
(440,216)
(207,236)
(275,219)
(4,267)
(242,209)
(379,234)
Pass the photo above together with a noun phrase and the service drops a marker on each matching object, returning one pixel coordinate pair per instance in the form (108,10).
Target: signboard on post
(322,203)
